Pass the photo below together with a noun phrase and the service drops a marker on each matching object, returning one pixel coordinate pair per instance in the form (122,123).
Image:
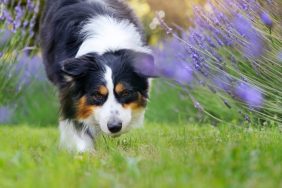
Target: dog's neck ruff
(104,33)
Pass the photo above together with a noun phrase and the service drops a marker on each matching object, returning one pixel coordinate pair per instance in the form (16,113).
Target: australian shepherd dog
(93,52)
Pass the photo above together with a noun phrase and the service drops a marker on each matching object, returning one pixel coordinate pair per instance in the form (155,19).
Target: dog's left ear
(144,65)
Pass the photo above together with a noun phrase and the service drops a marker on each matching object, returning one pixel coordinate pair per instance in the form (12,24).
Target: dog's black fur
(60,29)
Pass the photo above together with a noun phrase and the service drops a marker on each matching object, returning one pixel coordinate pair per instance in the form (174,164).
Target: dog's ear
(74,67)
(144,65)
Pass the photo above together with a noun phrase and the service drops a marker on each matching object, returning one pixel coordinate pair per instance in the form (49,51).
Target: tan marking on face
(119,88)
(103,90)
(83,109)
(140,103)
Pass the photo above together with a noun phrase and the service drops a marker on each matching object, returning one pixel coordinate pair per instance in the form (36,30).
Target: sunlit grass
(159,155)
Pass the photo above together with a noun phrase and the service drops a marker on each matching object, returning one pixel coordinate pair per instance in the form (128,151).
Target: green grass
(159,155)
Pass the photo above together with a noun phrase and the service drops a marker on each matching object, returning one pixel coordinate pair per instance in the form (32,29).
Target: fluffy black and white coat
(92,51)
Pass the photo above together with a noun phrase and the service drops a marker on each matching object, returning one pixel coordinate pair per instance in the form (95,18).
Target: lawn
(160,155)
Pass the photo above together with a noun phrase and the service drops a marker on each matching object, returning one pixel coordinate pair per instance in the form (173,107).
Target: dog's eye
(127,96)
(126,93)
(98,96)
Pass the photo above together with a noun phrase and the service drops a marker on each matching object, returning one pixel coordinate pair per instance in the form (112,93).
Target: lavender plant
(233,49)
(17,24)
(18,17)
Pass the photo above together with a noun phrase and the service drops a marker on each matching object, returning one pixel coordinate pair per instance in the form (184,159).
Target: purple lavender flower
(269,1)
(166,71)
(30,5)
(243,25)
(167,55)
(254,44)
(5,1)
(279,56)
(265,18)
(249,94)
(7,16)
(222,82)
(5,114)
(183,74)
(25,23)
(5,36)
(29,68)
(18,18)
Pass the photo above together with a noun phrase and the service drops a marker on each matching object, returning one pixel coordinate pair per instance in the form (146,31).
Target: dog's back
(62,24)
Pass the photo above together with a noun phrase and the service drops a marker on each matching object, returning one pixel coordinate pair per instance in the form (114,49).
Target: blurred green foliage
(170,104)
(9,77)
(38,105)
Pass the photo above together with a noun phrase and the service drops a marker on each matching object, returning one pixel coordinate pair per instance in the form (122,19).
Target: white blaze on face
(111,109)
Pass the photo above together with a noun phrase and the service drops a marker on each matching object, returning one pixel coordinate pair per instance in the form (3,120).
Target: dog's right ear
(74,67)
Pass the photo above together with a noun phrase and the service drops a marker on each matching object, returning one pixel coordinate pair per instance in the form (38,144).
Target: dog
(94,52)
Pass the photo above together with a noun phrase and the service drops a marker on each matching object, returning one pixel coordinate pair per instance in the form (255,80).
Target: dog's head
(109,90)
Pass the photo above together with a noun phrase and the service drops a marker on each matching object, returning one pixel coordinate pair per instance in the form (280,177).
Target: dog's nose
(114,126)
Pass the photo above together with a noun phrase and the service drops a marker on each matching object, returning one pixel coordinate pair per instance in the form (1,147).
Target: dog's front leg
(75,139)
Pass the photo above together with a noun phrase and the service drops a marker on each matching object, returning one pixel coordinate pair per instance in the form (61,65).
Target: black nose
(114,126)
